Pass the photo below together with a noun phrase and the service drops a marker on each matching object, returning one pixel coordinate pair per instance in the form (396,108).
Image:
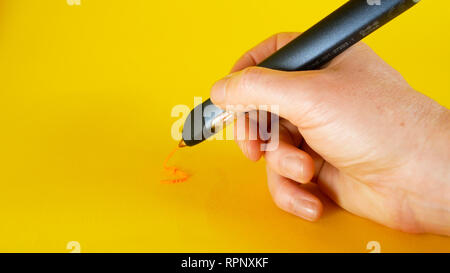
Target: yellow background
(86,94)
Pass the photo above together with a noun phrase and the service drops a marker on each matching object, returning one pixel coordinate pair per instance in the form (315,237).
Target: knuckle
(248,77)
(251,72)
(281,200)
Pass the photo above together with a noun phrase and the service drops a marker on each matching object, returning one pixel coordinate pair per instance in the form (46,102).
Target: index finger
(254,56)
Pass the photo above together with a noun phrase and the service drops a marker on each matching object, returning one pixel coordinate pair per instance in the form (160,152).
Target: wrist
(431,203)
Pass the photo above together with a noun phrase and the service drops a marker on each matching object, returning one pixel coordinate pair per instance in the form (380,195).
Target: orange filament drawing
(177,175)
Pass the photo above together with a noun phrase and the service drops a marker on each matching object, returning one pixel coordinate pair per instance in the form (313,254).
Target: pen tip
(182,144)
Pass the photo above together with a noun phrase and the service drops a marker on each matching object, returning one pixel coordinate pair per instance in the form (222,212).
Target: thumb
(295,93)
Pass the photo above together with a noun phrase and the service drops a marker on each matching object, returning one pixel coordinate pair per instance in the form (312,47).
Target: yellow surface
(86,94)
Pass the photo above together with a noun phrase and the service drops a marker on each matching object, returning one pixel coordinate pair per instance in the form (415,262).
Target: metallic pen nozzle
(221,121)
(203,122)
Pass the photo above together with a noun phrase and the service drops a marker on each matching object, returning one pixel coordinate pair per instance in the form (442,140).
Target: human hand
(374,145)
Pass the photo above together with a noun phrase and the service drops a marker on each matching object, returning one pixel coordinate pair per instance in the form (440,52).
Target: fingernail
(218,90)
(293,168)
(306,209)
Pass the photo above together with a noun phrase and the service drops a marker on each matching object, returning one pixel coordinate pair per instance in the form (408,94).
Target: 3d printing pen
(311,50)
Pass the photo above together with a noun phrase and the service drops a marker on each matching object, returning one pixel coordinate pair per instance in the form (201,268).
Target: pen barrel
(335,33)
(311,50)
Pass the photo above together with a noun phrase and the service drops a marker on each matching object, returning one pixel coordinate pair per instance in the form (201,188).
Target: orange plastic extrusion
(176,175)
